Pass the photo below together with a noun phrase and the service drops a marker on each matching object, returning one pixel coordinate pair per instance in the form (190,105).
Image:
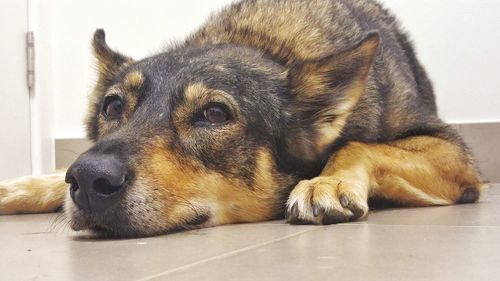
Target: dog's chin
(99,228)
(102,229)
(108,224)
(115,225)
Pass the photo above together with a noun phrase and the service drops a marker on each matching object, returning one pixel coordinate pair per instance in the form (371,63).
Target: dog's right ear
(325,92)
(108,64)
(109,61)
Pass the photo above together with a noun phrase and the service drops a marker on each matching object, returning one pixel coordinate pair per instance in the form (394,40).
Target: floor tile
(39,255)
(442,243)
(484,213)
(363,252)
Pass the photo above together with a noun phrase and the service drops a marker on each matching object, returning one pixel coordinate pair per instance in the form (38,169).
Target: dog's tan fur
(33,194)
(417,171)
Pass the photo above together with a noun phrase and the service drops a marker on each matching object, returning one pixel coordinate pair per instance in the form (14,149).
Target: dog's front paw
(32,194)
(326,200)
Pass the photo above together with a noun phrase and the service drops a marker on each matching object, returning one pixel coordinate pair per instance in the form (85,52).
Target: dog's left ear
(325,92)
(109,61)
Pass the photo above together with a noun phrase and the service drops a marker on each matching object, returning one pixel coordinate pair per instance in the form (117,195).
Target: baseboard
(67,150)
(482,138)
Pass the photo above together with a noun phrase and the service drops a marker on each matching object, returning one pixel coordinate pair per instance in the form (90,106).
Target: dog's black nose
(97,181)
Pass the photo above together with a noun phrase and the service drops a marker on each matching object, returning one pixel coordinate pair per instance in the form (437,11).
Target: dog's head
(206,135)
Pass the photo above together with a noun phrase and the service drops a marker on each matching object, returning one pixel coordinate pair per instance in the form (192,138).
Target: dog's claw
(357,211)
(352,206)
(317,210)
(294,213)
(333,217)
(344,200)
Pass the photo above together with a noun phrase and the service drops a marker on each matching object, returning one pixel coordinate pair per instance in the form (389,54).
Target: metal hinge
(30,55)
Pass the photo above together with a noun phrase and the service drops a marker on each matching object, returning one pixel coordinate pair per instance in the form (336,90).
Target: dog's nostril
(74,187)
(104,187)
(73,184)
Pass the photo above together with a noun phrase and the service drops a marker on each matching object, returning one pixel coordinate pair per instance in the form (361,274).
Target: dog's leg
(39,194)
(416,171)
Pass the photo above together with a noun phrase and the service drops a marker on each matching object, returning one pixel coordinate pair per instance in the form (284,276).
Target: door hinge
(30,55)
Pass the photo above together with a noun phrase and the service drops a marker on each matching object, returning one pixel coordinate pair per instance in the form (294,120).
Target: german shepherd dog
(273,108)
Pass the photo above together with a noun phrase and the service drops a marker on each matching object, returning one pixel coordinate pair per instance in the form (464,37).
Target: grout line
(225,255)
(424,225)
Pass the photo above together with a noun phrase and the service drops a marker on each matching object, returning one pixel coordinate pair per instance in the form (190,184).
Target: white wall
(457,40)
(137,28)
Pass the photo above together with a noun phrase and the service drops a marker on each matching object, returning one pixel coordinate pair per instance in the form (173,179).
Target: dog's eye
(113,106)
(215,114)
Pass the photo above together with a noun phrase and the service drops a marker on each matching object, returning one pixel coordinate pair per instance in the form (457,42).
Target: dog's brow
(194,91)
(133,80)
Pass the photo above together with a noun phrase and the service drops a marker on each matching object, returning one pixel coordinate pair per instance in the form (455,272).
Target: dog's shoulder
(293,30)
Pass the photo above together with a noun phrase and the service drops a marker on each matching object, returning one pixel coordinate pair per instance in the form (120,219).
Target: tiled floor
(441,243)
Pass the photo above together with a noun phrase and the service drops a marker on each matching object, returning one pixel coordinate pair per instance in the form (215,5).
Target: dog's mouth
(103,224)
(126,224)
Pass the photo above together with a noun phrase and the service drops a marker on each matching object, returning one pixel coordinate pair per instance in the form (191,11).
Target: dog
(272,109)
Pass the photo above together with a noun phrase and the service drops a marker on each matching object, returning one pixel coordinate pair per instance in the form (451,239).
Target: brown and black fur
(328,107)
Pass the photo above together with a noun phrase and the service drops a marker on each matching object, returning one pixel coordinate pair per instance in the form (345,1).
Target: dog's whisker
(71,151)
(187,203)
(57,223)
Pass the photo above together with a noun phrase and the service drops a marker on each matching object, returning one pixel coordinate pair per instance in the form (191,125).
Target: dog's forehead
(218,61)
(157,86)
(233,70)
